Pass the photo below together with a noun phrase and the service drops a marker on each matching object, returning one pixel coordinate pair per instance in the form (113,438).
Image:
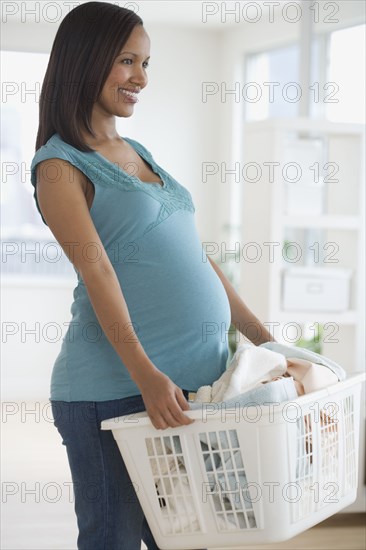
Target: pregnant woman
(149,307)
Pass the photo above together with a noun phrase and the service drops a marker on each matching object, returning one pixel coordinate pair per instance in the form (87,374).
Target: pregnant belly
(181,303)
(178,307)
(175,298)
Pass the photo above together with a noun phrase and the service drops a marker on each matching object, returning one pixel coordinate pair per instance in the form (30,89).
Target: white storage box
(245,475)
(316,289)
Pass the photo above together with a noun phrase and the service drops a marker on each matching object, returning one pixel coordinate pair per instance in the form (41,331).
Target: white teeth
(131,94)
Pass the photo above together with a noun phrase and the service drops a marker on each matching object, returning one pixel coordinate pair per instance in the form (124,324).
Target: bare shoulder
(61,194)
(59,171)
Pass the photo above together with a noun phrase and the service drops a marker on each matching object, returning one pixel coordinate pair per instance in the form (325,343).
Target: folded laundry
(309,355)
(249,367)
(311,376)
(275,391)
(252,366)
(178,512)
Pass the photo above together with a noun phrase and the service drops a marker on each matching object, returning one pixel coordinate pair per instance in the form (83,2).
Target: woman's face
(129,73)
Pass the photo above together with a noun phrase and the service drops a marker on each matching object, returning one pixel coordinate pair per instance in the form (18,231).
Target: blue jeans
(109,515)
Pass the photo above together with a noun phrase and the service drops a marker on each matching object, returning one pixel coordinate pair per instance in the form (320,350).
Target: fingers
(161,421)
(182,400)
(180,405)
(158,422)
(165,403)
(171,414)
(179,417)
(171,418)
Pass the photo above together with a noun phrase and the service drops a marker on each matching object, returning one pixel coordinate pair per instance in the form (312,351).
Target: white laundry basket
(245,475)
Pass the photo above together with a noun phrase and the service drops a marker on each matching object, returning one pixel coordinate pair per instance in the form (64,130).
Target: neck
(104,129)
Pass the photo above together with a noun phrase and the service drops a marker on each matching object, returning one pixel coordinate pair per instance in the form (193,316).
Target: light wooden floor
(340,532)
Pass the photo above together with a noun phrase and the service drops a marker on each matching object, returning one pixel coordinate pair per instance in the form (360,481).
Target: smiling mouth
(128,93)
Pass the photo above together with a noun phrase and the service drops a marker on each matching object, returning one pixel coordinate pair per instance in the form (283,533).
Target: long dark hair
(87,42)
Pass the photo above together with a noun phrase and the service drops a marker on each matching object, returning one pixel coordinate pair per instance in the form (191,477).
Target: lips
(129,93)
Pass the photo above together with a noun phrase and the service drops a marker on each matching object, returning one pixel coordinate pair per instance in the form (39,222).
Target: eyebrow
(131,53)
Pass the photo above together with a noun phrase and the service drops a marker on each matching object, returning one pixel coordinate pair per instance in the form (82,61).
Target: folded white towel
(249,367)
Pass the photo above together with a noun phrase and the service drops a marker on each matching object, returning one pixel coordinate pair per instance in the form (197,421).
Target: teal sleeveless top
(177,303)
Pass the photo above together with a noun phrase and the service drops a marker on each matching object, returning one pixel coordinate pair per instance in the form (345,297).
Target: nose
(139,77)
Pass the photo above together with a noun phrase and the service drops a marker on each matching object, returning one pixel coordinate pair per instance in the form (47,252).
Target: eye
(145,64)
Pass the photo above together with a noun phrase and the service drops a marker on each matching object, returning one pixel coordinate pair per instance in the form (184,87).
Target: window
(279,65)
(28,245)
(22,76)
(344,65)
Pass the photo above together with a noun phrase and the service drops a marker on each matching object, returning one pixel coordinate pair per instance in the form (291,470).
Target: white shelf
(26,281)
(266,219)
(304,124)
(345,318)
(267,141)
(334,222)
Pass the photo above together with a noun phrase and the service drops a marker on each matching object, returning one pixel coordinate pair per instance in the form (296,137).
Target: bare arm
(63,203)
(241,316)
